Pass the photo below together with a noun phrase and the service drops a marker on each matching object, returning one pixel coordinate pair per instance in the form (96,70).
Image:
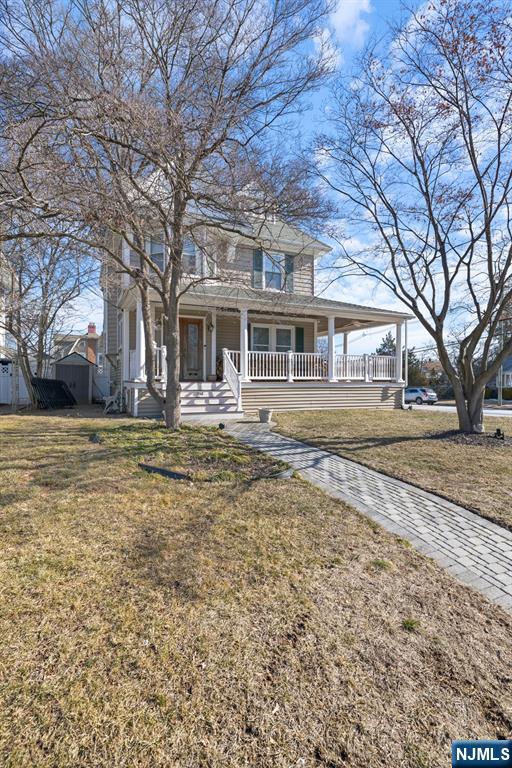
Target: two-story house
(249,333)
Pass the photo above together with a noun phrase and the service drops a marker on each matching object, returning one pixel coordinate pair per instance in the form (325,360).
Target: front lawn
(417,447)
(229,620)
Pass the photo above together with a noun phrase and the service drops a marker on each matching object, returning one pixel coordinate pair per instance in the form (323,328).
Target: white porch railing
(160,362)
(267,365)
(313,366)
(232,377)
(309,366)
(234,356)
(383,367)
(351,367)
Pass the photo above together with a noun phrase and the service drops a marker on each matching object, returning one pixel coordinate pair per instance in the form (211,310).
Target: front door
(191,349)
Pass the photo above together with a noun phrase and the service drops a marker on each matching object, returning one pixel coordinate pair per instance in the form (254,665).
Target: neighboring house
(88,344)
(12,386)
(507,375)
(78,361)
(249,332)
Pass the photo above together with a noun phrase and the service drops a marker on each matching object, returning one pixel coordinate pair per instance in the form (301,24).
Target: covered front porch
(238,345)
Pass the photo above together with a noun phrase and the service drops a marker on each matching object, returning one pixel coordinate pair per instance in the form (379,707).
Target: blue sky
(351,26)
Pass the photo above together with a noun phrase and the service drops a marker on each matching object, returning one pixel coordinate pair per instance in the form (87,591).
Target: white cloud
(348,21)
(325,41)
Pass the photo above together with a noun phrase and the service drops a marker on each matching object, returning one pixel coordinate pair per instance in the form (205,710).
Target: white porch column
(345,343)
(244,344)
(140,343)
(213,345)
(398,343)
(331,350)
(126,344)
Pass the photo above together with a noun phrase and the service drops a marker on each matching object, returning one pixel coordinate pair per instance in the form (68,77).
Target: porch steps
(208,399)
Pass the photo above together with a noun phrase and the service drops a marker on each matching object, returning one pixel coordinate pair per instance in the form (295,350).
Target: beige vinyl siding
(303,273)
(147,406)
(228,332)
(239,270)
(112,343)
(289,397)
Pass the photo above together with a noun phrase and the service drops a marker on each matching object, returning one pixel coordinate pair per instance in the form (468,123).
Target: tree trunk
(172,408)
(24,364)
(470,409)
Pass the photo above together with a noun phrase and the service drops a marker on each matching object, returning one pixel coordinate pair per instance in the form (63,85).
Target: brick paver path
(473,549)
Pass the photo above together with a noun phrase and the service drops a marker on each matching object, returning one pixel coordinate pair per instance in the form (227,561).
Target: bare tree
(420,155)
(169,118)
(41,280)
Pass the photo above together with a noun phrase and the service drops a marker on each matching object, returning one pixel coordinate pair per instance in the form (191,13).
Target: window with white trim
(272,338)
(284,340)
(156,250)
(189,257)
(273,271)
(261,338)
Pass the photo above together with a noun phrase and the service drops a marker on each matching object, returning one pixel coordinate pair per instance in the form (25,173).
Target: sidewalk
(476,551)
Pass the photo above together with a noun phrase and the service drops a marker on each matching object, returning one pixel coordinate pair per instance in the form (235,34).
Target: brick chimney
(91,343)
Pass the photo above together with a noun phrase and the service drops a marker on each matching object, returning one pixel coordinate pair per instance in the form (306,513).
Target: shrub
(410,624)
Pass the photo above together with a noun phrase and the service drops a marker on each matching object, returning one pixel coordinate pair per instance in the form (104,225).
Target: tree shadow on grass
(358,445)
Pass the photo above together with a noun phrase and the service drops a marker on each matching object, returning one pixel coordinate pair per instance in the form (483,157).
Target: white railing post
(244,345)
(163,357)
(366,364)
(126,345)
(213,345)
(231,376)
(290,365)
(398,364)
(331,352)
(140,343)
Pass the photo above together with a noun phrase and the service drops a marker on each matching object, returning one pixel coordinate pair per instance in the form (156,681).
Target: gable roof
(75,357)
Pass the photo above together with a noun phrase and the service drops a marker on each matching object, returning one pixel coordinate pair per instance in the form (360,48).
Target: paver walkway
(473,549)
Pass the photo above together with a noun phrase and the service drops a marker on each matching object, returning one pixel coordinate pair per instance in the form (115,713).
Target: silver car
(420,395)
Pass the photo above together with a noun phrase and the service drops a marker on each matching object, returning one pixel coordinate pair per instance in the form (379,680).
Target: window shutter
(249,340)
(288,274)
(299,339)
(257,268)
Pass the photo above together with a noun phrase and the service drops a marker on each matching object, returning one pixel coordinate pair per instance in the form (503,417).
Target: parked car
(420,395)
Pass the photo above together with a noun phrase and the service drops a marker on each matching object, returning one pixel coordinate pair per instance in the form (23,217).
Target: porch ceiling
(348,316)
(231,298)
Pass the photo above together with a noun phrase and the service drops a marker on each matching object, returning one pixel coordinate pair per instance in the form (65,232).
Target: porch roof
(348,316)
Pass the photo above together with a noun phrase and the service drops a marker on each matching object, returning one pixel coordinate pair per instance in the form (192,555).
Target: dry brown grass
(240,622)
(412,446)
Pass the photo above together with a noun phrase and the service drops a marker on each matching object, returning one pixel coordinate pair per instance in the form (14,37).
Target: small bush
(410,624)
(382,565)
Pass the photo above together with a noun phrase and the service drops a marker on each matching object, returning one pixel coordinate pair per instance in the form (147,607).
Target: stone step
(194,385)
(199,409)
(200,401)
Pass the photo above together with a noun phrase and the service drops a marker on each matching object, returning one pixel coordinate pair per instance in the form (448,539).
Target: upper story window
(272,271)
(189,258)
(156,250)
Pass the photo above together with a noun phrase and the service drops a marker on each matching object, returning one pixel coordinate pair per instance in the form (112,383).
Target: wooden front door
(191,349)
